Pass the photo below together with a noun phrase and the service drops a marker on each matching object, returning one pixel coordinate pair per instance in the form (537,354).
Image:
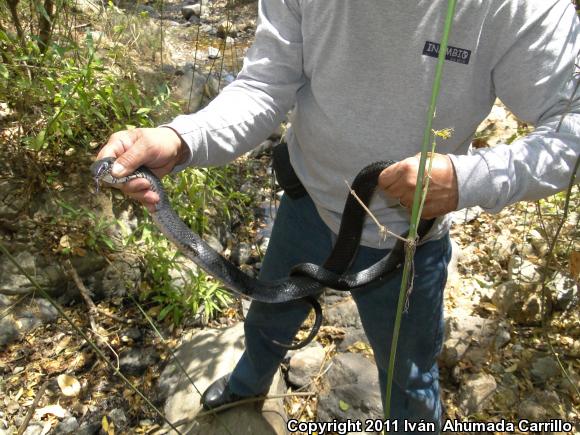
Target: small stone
(506,398)
(351,390)
(147,10)
(190,10)
(119,418)
(67,426)
(92,428)
(564,292)
(305,364)
(194,19)
(344,313)
(227,28)
(241,253)
(131,335)
(503,246)
(8,331)
(532,411)
(34,429)
(26,324)
(502,338)
(544,369)
(466,215)
(135,361)
(213,53)
(476,391)
(46,311)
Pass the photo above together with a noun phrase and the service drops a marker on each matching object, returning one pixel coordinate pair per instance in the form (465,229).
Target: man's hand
(399,181)
(160,149)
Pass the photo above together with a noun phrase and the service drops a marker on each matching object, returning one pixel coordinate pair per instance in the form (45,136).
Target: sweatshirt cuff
(474,181)
(190,135)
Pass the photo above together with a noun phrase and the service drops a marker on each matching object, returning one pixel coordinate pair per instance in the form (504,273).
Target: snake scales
(306,281)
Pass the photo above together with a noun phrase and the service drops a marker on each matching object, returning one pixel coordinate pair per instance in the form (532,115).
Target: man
(359,76)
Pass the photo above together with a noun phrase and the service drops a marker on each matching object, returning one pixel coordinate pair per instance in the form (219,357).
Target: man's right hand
(160,149)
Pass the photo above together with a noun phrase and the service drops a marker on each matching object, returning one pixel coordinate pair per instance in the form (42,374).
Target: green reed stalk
(415,215)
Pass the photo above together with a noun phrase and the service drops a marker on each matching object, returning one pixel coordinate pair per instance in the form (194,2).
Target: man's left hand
(399,180)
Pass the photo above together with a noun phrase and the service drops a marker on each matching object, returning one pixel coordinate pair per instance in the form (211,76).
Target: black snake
(306,281)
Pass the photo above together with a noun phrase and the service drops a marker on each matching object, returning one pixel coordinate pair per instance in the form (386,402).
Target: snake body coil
(306,281)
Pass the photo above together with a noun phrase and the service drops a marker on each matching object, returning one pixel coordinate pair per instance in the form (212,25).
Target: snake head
(100,169)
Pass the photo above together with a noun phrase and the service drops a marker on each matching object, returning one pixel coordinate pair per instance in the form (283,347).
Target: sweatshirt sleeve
(537,79)
(250,108)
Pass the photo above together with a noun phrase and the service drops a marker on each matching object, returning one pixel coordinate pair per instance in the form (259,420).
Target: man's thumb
(130,160)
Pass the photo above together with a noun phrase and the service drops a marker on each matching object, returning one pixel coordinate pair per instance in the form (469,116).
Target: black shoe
(218,394)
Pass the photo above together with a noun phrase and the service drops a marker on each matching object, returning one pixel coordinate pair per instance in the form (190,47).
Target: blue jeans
(299,235)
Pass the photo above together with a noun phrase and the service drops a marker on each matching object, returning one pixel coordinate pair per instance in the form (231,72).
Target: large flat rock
(206,356)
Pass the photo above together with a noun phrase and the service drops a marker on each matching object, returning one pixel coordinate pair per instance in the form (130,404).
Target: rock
(5,112)
(191,10)
(120,277)
(565,294)
(213,53)
(502,338)
(119,418)
(27,323)
(519,302)
(11,278)
(466,215)
(460,331)
(351,390)
(531,410)
(184,273)
(5,300)
(505,296)
(352,337)
(207,355)
(524,271)
(227,28)
(544,369)
(135,361)
(44,310)
(503,246)
(92,428)
(344,314)
(89,7)
(131,335)
(147,10)
(539,242)
(191,88)
(35,428)
(305,364)
(67,426)
(506,398)
(475,392)
(241,253)
(8,331)
(194,19)
(331,296)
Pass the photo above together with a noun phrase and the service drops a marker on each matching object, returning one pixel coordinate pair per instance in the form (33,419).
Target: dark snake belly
(306,281)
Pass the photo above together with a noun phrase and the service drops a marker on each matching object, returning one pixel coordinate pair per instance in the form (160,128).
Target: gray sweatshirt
(358,75)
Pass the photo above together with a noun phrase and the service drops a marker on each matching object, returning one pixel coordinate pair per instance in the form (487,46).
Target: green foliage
(182,290)
(78,98)
(66,94)
(80,229)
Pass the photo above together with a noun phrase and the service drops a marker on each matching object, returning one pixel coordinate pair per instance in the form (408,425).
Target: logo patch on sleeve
(454,54)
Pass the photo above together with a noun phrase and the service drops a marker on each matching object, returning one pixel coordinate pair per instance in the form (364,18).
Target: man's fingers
(135,186)
(389,176)
(127,148)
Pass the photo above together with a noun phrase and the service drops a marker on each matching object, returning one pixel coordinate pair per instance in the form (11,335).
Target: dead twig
(252,400)
(33,407)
